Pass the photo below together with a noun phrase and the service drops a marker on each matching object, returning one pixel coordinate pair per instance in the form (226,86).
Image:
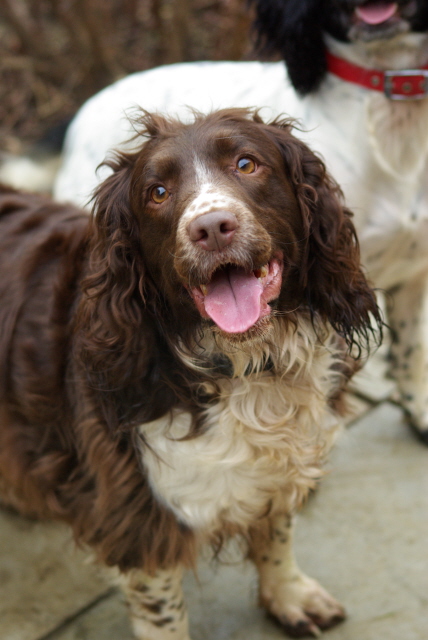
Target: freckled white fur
(265,438)
(164,587)
(209,196)
(284,590)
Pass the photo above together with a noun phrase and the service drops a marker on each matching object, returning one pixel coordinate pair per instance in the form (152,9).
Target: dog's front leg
(408,318)
(156,604)
(298,602)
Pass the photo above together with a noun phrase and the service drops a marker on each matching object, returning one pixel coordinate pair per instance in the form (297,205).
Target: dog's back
(41,250)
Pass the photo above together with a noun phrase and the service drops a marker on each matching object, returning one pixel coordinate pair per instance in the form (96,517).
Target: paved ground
(363,535)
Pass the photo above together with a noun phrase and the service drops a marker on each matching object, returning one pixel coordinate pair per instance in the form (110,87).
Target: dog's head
(226,222)
(220,224)
(296,28)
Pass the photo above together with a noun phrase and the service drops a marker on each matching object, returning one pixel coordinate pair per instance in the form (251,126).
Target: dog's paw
(302,607)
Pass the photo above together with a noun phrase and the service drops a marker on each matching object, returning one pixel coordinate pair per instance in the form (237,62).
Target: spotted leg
(297,602)
(408,318)
(156,604)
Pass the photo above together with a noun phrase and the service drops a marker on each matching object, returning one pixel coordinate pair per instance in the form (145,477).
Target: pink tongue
(233,300)
(377,12)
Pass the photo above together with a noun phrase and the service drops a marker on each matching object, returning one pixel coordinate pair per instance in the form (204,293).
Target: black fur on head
(293,29)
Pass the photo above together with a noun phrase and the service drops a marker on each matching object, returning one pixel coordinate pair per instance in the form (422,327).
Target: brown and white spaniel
(171,368)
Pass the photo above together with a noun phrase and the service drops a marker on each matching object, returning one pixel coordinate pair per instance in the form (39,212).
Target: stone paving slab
(43,579)
(106,620)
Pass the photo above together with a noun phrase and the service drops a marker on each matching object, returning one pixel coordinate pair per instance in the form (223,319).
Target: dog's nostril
(214,230)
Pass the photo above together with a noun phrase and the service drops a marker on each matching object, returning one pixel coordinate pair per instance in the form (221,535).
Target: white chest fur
(264,441)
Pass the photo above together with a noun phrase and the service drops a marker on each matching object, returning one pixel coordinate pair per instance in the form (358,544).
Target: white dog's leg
(156,604)
(298,602)
(408,318)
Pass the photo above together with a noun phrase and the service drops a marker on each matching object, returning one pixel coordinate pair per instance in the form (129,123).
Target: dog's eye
(159,194)
(246,165)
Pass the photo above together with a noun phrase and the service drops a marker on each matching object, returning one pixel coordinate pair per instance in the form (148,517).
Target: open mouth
(374,13)
(236,299)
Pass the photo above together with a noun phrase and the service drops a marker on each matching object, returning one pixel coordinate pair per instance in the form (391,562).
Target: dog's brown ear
(332,279)
(116,262)
(114,332)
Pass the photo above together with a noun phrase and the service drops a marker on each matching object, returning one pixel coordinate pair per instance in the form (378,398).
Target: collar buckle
(411,84)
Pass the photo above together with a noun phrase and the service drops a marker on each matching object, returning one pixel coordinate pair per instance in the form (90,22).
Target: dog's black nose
(213,231)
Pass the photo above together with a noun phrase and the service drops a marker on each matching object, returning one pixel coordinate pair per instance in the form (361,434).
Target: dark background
(54,54)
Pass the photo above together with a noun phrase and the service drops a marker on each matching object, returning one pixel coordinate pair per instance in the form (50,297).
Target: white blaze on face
(209,195)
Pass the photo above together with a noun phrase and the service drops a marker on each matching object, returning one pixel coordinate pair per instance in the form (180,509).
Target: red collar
(411,84)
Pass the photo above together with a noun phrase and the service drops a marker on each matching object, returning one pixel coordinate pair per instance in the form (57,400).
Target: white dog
(374,140)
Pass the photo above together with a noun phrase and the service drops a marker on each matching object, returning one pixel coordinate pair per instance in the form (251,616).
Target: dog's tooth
(204,289)
(261,272)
